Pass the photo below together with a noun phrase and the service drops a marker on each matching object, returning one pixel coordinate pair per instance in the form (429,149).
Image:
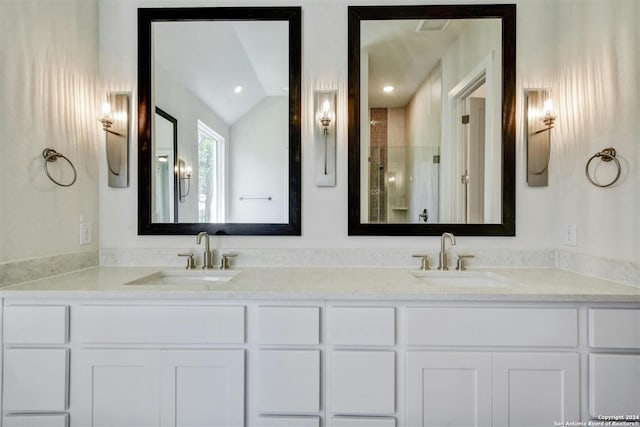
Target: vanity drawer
(36,324)
(611,328)
(36,420)
(363,326)
(288,325)
(36,380)
(140,324)
(517,327)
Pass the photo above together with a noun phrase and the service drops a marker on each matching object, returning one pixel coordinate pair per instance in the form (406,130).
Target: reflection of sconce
(539,112)
(184,179)
(325,138)
(115,122)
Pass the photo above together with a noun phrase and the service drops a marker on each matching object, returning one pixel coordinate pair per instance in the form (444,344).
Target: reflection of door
(164,182)
(474,161)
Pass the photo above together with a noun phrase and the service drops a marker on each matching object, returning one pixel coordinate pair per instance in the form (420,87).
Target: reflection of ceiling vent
(426,25)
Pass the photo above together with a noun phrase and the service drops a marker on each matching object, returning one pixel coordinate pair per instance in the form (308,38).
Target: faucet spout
(443,253)
(208,258)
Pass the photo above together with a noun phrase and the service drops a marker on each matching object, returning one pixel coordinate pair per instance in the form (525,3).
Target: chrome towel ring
(606,155)
(51,155)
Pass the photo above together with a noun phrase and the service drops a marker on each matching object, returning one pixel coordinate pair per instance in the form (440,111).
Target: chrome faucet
(443,254)
(208,256)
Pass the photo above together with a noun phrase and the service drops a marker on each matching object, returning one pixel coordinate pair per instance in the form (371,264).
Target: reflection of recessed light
(238,89)
(388,89)
(163,159)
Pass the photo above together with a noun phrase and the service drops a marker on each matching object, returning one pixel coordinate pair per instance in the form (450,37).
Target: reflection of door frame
(173,160)
(451,163)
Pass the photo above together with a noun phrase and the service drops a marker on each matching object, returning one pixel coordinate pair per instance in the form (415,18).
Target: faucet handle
(460,265)
(191,263)
(224,261)
(424,264)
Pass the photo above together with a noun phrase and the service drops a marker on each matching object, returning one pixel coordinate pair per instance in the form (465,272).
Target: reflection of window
(210,175)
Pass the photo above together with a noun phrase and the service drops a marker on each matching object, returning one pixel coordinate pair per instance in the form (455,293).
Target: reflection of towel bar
(255,198)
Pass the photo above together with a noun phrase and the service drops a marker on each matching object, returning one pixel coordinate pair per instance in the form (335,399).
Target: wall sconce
(539,121)
(183,172)
(325,138)
(115,122)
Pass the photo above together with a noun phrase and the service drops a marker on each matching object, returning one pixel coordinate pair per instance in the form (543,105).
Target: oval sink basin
(186,277)
(466,279)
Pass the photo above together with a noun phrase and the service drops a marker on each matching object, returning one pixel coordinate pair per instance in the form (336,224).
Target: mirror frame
(146,17)
(507,13)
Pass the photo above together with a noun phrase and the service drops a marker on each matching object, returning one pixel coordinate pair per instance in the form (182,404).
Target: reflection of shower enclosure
(403,182)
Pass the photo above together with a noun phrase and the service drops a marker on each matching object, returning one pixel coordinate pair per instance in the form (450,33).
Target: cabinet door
(535,389)
(115,388)
(202,388)
(448,388)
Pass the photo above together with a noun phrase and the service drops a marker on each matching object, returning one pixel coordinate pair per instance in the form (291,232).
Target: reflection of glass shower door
(377,193)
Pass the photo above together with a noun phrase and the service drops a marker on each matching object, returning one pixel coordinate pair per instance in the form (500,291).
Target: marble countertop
(330,283)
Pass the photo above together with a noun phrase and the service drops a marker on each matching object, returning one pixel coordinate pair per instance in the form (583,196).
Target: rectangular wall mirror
(230,77)
(432,120)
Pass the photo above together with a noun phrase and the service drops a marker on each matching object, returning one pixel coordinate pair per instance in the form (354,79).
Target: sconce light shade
(115,122)
(539,121)
(324,130)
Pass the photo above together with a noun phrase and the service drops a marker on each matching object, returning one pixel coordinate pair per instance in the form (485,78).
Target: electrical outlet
(86,233)
(570,235)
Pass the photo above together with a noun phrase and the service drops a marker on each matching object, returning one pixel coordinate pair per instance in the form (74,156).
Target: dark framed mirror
(431,94)
(231,76)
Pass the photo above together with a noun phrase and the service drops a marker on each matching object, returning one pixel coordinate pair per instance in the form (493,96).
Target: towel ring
(51,155)
(606,155)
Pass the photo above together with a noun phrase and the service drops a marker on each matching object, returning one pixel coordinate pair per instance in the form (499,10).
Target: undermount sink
(186,277)
(466,279)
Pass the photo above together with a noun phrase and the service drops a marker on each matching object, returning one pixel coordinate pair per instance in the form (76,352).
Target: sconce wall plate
(538,125)
(183,173)
(115,123)
(324,140)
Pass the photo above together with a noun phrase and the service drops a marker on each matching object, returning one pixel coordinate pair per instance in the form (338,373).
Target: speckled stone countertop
(329,283)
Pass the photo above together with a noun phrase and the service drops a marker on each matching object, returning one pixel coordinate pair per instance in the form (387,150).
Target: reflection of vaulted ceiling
(213,58)
(402,56)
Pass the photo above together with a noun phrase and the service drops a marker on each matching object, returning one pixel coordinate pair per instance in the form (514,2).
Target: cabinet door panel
(36,379)
(614,384)
(448,388)
(115,388)
(535,389)
(363,382)
(202,388)
(289,381)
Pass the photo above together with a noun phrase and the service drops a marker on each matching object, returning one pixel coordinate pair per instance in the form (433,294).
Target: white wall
(259,163)
(547,32)
(48,98)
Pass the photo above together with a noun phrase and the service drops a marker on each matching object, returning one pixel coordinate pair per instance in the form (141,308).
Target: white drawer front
(289,381)
(288,422)
(614,388)
(23,420)
(363,422)
(159,324)
(493,326)
(363,326)
(36,379)
(32,324)
(614,328)
(289,325)
(363,382)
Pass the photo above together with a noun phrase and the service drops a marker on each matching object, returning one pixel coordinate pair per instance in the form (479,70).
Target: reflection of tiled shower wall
(377,157)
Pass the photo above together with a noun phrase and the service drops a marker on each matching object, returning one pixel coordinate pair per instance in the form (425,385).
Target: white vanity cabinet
(314,363)
(522,372)
(614,363)
(158,365)
(35,380)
